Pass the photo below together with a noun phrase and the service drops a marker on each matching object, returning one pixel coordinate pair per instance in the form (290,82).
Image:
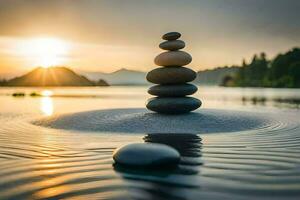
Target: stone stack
(172,79)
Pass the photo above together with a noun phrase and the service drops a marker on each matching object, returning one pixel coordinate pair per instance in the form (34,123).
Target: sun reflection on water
(46,106)
(47,93)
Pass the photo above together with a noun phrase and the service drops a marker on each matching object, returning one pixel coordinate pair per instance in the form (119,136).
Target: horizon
(80,71)
(80,36)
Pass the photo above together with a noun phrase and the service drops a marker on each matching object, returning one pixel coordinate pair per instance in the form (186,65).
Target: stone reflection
(170,183)
(188,145)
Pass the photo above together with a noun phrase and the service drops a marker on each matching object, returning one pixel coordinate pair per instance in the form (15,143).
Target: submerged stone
(171,36)
(147,155)
(171,75)
(173,105)
(172,45)
(173,58)
(173,90)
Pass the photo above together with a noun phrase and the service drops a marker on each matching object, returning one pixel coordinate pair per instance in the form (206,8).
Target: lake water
(44,163)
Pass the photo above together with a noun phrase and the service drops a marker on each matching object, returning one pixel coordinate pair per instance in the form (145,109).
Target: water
(42,163)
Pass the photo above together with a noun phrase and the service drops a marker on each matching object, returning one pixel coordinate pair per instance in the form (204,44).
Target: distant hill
(131,77)
(6,76)
(62,76)
(54,76)
(120,77)
(215,76)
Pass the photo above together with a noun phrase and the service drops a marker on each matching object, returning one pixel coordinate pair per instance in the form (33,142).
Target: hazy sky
(105,35)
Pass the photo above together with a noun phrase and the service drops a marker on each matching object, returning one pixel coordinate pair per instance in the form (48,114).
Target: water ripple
(42,163)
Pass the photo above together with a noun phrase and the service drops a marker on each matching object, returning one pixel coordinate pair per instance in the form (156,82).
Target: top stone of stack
(171,36)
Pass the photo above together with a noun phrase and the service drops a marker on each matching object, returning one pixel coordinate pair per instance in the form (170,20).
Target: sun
(45,51)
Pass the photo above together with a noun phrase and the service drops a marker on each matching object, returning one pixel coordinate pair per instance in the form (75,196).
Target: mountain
(54,76)
(119,77)
(215,76)
(131,77)
(62,76)
(6,76)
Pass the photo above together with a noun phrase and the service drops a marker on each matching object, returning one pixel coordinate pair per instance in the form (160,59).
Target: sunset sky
(105,35)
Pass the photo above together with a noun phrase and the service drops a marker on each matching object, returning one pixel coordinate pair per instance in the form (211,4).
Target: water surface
(42,163)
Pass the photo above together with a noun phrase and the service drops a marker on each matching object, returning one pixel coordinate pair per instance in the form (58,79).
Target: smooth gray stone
(171,36)
(173,58)
(173,105)
(172,45)
(146,155)
(171,75)
(173,90)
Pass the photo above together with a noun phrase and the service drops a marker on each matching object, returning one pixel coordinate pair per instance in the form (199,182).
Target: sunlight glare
(47,93)
(46,106)
(45,52)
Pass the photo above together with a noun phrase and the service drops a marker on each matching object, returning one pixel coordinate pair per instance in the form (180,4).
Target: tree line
(281,72)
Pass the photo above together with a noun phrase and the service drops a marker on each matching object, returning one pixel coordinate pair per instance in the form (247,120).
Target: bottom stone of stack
(177,105)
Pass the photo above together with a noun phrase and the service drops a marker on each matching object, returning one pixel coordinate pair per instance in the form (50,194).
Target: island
(51,77)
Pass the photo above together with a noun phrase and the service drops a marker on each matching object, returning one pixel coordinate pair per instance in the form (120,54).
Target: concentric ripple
(260,162)
(143,121)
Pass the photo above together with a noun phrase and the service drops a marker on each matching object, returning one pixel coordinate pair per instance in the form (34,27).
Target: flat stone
(171,75)
(175,105)
(173,58)
(147,155)
(173,90)
(171,36)
(172,45)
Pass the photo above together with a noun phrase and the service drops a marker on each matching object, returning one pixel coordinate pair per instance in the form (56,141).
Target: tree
(282,71)
(294,72)
(281,65)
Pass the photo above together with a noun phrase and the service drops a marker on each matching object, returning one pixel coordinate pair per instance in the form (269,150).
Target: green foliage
(282,71)
(294,72)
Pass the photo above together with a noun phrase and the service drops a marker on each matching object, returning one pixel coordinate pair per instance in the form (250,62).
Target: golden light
(47,93)
(46,105)
(45,52)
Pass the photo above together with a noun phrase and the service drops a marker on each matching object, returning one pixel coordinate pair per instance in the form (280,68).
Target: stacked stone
(172,79)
